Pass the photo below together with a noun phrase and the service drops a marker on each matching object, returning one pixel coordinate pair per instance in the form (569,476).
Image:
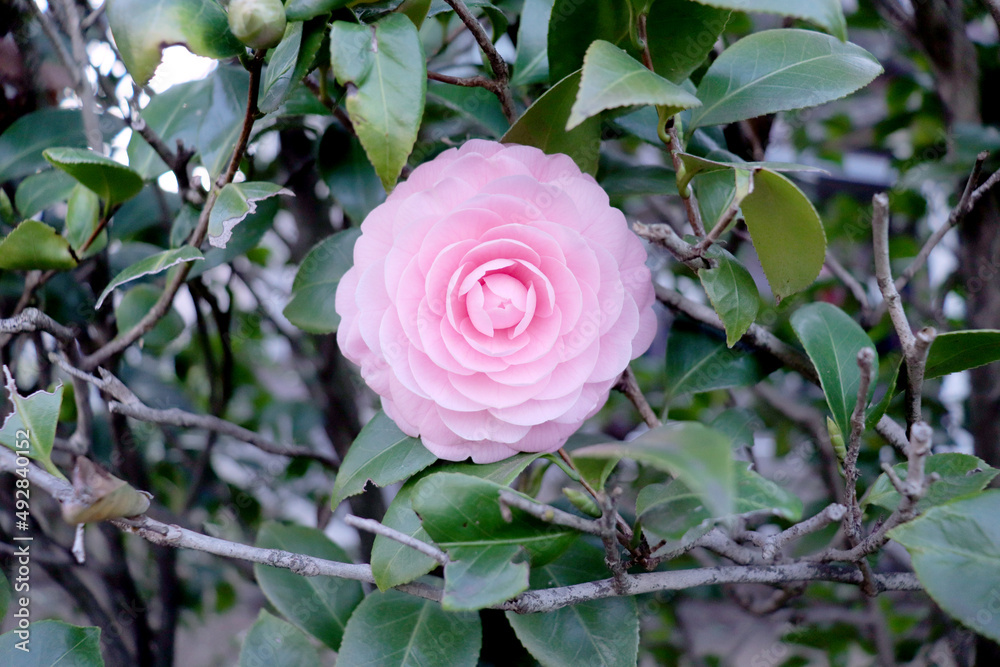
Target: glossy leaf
(315,286)
(832,340)
(415,10)
(22,143)
(344,167)
(699,456)
(40,191)
(958,351)
(83,215)
(681,34)
(955,549)
(32,422)
(272,641)
(252,229)
(640,181)
(694,165)
(381,454)
(575,24)
(133,307)
(112,181)
(732,291)
(142,28)
(698,360)
(393,629)
(300,10)
(827,14)
(531,63)
(459,510)
(483,575)
(236,201)
(394,563)
(388,73)
(612,78)
(961,475)
(543,125)
(786,231)
(753,76)
(35,245)
(669,511)
(206,115)
(54,643)
(279,74)
(475,103)
(319,605)
(596,632)
(150,266)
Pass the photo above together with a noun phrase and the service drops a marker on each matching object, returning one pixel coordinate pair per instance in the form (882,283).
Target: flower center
(497,301)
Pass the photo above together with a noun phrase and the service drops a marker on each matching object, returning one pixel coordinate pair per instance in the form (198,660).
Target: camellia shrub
(455,333)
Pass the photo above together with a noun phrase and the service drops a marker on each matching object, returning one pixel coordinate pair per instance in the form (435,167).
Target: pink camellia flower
(495,299)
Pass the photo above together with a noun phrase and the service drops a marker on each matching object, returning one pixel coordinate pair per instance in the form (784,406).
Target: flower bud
(260,24)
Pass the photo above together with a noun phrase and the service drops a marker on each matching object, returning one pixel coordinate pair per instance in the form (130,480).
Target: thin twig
(162,305)
(687,195)
(852,524)
(500,70)
(377,528)
(87,100)
(49,28)
(850,282)
(32,319)
(629,386)
(774,543)
(664,235)
(552,515)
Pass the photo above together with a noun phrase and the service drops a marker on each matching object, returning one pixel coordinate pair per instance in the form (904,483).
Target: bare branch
(866,361)
(31,320)
(850,282)
(664,235)
(628,385)
(377,528)
(774,543)
(550,514)
(500,71)
(687,196)
(87,100)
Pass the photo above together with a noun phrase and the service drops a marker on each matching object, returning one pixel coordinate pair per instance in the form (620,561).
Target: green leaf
(786,231)
(415,10)
(22,143)
(543,125)
(315,286)
(30,429)
(732,291)
(384,69)
(697,455)
(718,191)
(698,360)
(531,63)
(6,209)
(133,307)
(236,201)
(956,555)
(206,115)
(393,563)
(54,643)
(597,632)
(681,34)
(83,215)
(251,231)
(877,410)
(393,629)
(958,351)
(641,181)
(695,165)
(345,168)
(290,62)
(112,181)
(483,575)
(575,24)
(832,340)
(753,76)
(4,595)
(612,78)
(142,28)
(459,510)
(961,475)
(475,103)
(300,10)
(381,454)
(827,14)
(319,605)
(35,245)
(152,265)
(40,191)
(272,641)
